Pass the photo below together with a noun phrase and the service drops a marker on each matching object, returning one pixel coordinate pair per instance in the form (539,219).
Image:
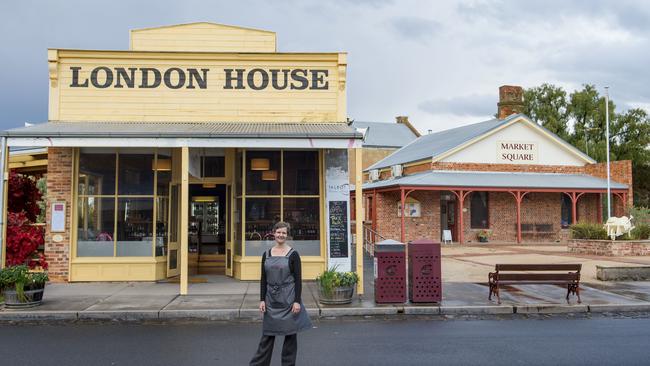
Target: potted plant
(335,288)
(483,236)
(21,288)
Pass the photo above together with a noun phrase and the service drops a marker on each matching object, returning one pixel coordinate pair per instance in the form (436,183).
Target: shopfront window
(479,210)
(280,185)
(96,223)
(117,194)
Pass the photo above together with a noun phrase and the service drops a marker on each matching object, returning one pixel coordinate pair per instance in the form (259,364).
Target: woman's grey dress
(280,296)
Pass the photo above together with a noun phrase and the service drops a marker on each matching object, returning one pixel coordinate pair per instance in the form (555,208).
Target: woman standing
(280,295)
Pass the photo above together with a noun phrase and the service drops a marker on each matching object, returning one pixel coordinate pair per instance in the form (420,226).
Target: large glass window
(262,173)
(118,191)
(479,210)
(96,223)
(300,172)
(97,173)
(298,202)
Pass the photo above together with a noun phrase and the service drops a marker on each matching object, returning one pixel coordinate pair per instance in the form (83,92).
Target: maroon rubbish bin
(425,273)
(390,272)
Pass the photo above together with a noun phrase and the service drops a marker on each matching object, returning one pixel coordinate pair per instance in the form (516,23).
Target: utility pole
(609,206)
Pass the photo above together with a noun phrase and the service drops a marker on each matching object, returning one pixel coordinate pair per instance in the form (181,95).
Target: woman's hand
(295,308)
(262,306)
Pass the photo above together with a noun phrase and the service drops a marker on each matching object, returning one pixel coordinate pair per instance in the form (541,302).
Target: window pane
(303,214)
(135,174)
(261,215)
(95,230)
(479,210)
(213,166)
(164,170)
(96,174)
(262,182)
(300,172)
(567,211)
(162,215)
(134,227)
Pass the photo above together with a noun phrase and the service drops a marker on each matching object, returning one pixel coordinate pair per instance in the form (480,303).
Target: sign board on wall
(517,152)
(57,224)
(337,195)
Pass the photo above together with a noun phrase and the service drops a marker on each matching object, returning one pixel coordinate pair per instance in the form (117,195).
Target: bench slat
(538,267)
(538,277)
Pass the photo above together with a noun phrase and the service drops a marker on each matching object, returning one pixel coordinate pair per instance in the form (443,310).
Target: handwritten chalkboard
(338,221)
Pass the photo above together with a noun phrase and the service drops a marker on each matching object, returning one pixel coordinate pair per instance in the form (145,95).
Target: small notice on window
(58,217)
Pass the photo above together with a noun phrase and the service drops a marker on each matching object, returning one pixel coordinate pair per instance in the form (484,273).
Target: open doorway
(207,229)
(448,213)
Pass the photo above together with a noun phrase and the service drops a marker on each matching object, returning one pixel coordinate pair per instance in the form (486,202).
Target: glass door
(229,248)
(173,251)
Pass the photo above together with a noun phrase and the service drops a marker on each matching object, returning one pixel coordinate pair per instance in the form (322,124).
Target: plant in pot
(335,288)
(483,236)
(22,288)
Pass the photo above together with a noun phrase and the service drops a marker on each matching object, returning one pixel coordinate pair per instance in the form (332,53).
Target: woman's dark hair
(280,225)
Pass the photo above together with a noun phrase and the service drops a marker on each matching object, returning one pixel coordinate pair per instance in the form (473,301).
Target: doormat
(177,279)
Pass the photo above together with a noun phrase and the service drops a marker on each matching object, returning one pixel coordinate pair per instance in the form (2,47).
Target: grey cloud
(470,105)
(414,28)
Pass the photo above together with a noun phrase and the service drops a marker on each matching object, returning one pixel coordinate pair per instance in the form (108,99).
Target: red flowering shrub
(23,196)
(23,239)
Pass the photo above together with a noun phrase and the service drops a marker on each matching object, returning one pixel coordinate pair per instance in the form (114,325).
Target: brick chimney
(511,100)
(405,121)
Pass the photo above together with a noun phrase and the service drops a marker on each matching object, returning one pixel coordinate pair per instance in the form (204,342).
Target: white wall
(546,151)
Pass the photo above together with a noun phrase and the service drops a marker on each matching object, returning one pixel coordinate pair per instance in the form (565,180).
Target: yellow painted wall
(249,269)
(203,37)
(146,269)
(213,103)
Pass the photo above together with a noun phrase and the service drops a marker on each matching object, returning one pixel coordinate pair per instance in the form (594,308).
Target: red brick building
(507,178)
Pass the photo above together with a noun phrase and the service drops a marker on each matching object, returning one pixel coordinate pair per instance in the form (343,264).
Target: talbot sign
(103,77)
(516,152)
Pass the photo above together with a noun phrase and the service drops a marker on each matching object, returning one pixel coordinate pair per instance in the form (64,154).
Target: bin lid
(389,245)
(423,241)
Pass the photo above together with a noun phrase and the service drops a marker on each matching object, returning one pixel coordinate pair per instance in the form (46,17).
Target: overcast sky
(438,62)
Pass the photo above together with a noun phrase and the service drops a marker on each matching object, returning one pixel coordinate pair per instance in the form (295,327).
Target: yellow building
(177,156)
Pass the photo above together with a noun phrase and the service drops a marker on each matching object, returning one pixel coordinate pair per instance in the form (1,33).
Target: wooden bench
(540,274)
(536,230)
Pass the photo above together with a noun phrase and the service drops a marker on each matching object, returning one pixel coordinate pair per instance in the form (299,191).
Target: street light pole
(609,207)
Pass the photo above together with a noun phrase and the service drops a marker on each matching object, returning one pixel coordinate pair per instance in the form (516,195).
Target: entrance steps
(212,264)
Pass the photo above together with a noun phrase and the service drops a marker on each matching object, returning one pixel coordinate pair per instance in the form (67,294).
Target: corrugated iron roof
(383,134)
(187,129)
(433,144)
(470,179)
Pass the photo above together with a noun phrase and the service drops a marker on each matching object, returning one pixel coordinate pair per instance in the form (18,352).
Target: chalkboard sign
(338,220)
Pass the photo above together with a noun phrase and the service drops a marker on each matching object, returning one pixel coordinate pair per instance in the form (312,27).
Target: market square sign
(516,152)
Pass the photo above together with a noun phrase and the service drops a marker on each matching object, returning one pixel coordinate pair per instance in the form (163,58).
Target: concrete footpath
(222,298)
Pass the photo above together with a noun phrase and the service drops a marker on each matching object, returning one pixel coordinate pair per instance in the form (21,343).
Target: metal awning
(497,181)
(192,134)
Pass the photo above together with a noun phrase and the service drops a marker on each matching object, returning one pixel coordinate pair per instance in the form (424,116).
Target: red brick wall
(610,248)
(536,208)
(427,226)
(59,188)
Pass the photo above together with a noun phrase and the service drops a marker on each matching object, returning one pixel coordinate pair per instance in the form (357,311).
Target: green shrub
(641,215)
(331,279)
(640,232)
(586,230)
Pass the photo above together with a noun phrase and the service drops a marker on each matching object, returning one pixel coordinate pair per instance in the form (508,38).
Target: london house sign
(103,77)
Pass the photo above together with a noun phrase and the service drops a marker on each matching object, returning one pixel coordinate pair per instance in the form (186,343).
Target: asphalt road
(555,341)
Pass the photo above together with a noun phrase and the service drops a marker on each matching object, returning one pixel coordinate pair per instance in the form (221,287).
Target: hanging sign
(57,223)
(337,194)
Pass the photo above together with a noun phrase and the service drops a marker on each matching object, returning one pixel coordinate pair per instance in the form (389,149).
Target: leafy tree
(580,119)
